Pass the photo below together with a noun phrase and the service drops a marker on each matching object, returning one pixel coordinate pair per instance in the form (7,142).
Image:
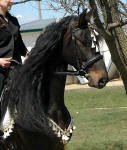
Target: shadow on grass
(105,146)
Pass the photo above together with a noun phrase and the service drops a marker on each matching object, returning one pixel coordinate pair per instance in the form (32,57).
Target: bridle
(82,68)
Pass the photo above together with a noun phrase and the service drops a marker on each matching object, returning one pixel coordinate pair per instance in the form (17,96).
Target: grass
(98,129)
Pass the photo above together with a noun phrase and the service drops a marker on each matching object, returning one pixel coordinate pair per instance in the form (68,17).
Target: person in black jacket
(11,43)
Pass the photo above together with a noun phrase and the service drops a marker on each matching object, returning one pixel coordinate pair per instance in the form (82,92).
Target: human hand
(5,62)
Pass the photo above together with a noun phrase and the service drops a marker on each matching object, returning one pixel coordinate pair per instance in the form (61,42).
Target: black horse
(34,94)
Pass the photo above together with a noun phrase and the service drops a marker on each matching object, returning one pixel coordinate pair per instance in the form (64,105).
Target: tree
(109,16)
(113,33)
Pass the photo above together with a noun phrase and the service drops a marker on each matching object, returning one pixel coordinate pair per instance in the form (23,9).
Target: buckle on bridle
(82,72)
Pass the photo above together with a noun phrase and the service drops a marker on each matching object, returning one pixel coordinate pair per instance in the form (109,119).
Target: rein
(82,69)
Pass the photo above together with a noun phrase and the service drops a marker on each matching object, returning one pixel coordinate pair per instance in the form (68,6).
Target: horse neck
(56,86)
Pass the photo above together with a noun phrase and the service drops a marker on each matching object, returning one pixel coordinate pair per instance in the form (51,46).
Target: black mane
(29,82)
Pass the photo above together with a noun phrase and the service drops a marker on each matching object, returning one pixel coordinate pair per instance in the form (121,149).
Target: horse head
(79,50)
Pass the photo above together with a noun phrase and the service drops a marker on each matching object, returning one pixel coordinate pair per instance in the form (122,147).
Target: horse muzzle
(97,84)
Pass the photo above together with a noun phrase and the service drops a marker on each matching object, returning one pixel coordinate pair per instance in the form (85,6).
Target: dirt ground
(116,82)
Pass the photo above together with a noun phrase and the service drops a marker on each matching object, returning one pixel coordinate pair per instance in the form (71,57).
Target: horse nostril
(102,82)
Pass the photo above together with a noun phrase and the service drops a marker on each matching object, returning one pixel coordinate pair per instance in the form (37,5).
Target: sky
(28,12)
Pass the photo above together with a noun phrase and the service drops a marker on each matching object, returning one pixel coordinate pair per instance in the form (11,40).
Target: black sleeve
(20,46)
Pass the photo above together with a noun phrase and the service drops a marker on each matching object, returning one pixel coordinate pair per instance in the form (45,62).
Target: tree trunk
(119,55)
(115,37)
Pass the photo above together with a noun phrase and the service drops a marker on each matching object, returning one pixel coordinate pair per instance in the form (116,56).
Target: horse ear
(84,17)
(81,18)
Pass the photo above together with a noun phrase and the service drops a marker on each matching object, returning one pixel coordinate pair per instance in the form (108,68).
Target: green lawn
(98,129)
